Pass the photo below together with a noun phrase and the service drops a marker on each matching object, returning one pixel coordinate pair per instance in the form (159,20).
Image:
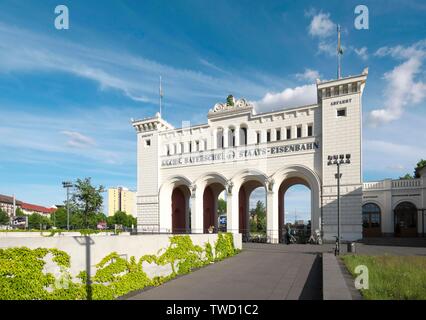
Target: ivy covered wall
(23,275)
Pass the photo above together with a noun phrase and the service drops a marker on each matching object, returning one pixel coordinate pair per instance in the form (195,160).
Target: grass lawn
(391,277)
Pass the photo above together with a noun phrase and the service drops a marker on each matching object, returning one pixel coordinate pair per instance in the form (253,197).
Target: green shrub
(22,276)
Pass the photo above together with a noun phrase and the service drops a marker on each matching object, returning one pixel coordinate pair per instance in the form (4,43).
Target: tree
(36,220)
(121,217)
(221,206)
(407,176)
(19,212)
(420,165)
(60,218)
(258,217)
(4,217)
(87,198)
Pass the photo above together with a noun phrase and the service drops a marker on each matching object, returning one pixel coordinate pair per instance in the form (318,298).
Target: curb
(333,282)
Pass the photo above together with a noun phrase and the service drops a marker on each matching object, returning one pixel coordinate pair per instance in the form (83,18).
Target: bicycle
(337,248)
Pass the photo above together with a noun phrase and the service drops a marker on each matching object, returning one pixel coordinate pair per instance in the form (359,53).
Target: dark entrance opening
(405,220)
(371,220)
(180,207)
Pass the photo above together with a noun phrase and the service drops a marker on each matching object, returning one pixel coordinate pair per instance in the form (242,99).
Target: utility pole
(68,185)
(338,160)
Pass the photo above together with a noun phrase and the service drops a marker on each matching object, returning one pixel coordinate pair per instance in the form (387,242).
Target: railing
(392,184)
(373,185)
(406,183)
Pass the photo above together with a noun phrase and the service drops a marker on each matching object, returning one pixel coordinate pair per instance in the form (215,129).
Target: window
(243,136)
(278,134)
(328,92)
(345,88)
(371,220)
(299,132)
(257,137)
(181,147)
(310,130)
(197,145)
(148,142)
(288,133)
(231,137)
(268,136)
(190,146)
(341,112)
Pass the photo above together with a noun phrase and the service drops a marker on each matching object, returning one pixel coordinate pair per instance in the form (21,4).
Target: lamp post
(338,160)
(68,185)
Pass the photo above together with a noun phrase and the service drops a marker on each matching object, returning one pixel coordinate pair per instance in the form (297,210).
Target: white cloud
(361,52)
(290,97)
(402,87)
(309,75)
(134,76)
(78,140)
(321,25)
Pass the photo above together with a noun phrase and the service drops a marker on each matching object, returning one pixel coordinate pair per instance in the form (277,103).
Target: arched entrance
(251,224)
(285,185)
(371,220)
(210,186)
(284,179)
(405,220)
(180,209)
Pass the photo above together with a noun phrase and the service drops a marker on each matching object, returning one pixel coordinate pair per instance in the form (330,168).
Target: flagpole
(339,52)
(161,98)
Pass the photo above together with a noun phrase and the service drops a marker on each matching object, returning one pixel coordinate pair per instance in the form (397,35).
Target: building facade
(394,207)
(121,199)
(181,172)
(8,204)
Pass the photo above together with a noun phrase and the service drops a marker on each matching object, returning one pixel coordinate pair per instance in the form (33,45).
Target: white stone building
(181,171)
(395,207)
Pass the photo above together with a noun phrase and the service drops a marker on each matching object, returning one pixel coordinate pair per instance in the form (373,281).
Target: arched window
(219,138)
(371,220)
(406,220)
(231,137)
(243,136)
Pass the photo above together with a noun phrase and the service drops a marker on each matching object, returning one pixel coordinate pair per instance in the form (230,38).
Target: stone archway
(283,179)
(175,214)
(406,219)
(208,209)
(285,185)
(179,210)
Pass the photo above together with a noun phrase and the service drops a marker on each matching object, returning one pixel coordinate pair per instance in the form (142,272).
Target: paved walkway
(260,272)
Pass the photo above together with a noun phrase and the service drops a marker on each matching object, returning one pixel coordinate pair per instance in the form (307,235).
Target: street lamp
(68,185)
(338,160)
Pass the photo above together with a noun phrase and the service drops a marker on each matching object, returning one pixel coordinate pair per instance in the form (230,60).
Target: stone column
(196,210)
(237,134)
(232,209)
(272,228)
(225,137)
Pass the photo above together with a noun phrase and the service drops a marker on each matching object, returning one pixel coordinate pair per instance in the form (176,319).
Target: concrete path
(260,272)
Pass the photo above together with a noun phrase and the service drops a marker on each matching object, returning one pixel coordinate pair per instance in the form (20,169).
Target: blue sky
(67,96)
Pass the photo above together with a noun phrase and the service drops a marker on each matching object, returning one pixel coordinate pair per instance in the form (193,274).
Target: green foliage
(87,199)
(19,212)
(258,218)
(22,275)
(420,165)
(221,206)
(52,232)
(224,247)
(406,176)
(4,218)
(121,217)
(36,220)
(86,232)
(391,277)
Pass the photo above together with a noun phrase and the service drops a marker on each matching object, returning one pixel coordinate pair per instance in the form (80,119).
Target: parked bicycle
(337,247)
(315,238)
